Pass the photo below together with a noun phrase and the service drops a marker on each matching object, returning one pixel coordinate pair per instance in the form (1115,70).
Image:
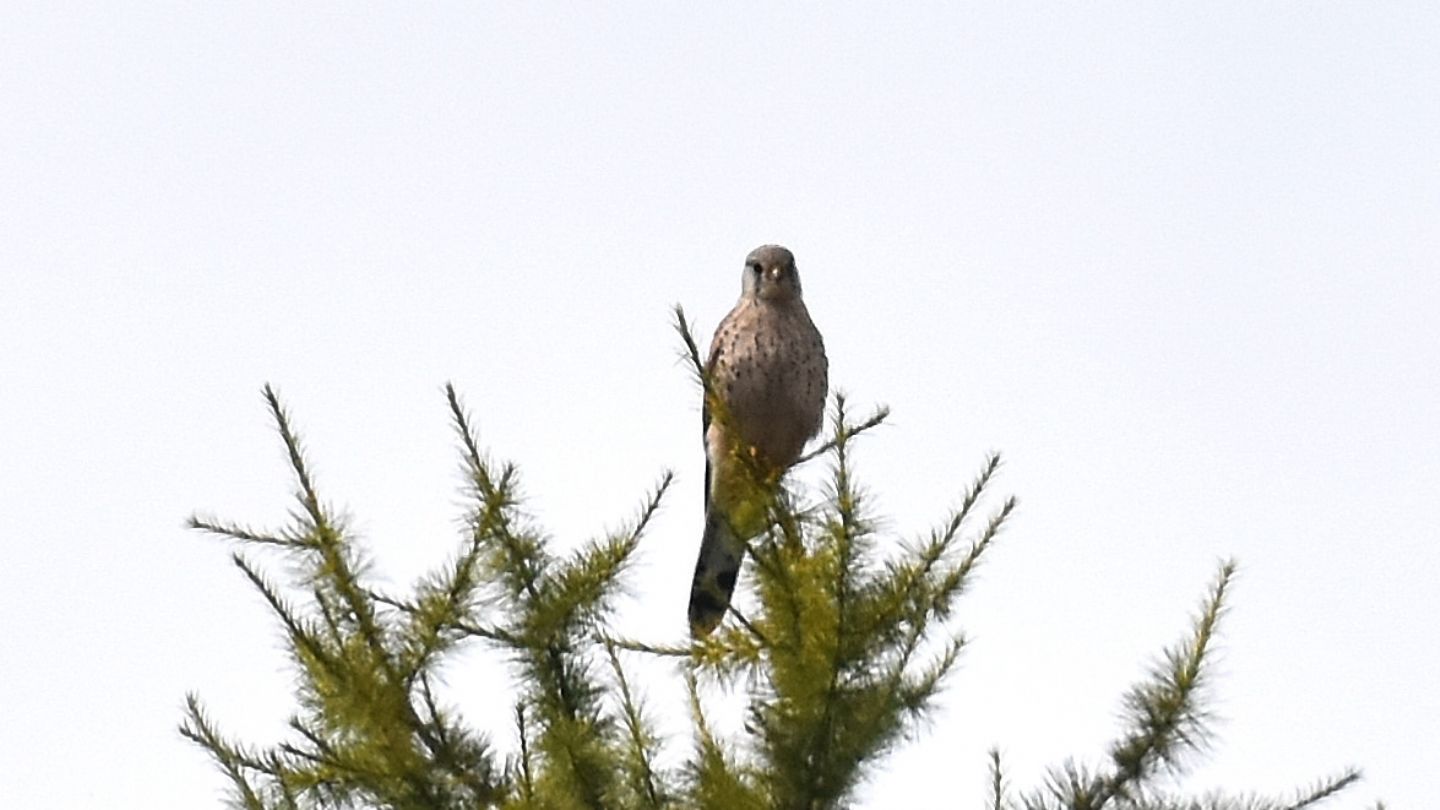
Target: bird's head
(770,274)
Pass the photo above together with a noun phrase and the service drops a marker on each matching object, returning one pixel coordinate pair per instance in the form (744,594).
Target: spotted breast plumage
(768,371)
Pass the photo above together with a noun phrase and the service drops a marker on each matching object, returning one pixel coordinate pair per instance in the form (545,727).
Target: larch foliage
(851,638)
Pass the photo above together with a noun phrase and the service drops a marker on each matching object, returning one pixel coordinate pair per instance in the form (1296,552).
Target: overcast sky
(1179,263)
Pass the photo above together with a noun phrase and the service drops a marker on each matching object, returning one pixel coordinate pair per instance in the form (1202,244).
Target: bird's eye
(753,267)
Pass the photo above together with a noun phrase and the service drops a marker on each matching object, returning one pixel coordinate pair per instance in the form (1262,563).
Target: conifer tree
(849,644)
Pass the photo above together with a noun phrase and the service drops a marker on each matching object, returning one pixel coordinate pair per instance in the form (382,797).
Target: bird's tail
(715,571)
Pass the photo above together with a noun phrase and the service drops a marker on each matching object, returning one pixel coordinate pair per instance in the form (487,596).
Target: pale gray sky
(1179,262)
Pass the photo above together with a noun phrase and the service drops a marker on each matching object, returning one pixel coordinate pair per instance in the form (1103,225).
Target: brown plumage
(767,367)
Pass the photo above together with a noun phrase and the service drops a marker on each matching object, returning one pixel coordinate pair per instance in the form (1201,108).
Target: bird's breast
(772,377)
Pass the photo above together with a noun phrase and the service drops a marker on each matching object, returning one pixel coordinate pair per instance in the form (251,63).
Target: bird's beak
(773,273)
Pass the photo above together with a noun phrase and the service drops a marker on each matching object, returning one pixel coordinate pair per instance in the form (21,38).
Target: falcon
(768,375)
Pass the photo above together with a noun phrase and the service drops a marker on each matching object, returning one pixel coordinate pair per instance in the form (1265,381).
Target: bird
(767,383)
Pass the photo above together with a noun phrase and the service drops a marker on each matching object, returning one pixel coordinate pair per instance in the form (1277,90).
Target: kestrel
(767,369)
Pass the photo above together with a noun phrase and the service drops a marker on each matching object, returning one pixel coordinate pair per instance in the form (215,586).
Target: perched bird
(767,372)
